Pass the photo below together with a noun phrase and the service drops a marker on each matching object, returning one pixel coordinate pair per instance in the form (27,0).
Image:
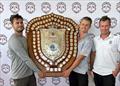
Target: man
(22,66)
(78,71)
(107,61)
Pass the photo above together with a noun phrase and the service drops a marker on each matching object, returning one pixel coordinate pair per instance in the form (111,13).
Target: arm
(82,53)
(117,70)
(92,58)
(16,46)
(75,64)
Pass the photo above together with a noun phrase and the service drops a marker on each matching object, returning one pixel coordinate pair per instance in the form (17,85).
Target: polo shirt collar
(110,35)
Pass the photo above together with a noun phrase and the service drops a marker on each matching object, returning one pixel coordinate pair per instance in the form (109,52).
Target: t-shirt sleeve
(86,49)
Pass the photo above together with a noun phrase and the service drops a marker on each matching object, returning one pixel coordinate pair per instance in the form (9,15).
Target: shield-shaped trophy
(52,42)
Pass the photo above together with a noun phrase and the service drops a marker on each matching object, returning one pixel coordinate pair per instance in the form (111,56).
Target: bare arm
(92,58)
(117,70)
(76,62)
(74,65)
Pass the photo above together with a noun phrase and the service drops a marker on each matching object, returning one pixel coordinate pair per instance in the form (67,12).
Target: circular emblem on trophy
(118,7)
(30,7)
(106,7)
(61,7)
(76,7)
(14,7)
(91,7)
(46,7)
(52,41)
(54,47)
(113,22)
(1,8)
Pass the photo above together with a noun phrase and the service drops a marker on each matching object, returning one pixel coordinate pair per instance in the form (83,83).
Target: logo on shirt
(110,42)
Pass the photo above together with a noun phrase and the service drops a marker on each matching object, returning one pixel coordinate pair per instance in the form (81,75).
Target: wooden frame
(52,43)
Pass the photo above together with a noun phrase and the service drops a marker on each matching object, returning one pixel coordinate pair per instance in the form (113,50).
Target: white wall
(34,8)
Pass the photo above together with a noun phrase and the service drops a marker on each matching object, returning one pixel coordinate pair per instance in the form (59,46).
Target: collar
(86,36)
(110,36)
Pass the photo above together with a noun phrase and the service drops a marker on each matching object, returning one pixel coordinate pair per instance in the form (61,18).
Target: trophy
(52,43)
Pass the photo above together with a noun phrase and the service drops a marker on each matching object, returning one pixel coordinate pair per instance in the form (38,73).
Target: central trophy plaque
(52,43)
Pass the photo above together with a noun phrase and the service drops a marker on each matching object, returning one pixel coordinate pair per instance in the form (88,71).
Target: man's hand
(90,73)
(42,74)
(115,72)
(66,73)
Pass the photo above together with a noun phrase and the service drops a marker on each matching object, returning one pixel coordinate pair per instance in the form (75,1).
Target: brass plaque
(52,43)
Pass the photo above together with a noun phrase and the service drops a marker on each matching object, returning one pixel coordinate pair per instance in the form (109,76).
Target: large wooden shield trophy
(52,42)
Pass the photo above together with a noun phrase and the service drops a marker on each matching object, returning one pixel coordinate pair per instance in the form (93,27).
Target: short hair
(104,18)
(88,19)
(16,16)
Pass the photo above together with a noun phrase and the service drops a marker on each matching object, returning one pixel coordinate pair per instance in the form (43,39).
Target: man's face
(84,26)
(18,25)
(104,27)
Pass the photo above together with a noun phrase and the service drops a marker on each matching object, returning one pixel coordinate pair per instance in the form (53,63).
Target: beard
(19,30)
(105,33)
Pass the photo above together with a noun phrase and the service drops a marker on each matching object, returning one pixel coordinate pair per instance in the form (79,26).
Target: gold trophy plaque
(52,43)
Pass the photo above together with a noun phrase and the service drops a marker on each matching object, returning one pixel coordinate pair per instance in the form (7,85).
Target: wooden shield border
(52,68)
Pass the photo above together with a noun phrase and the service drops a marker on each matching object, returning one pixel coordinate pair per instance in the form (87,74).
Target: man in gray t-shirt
(22,66)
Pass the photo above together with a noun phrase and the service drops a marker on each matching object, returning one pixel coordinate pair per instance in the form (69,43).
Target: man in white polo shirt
(107,61)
